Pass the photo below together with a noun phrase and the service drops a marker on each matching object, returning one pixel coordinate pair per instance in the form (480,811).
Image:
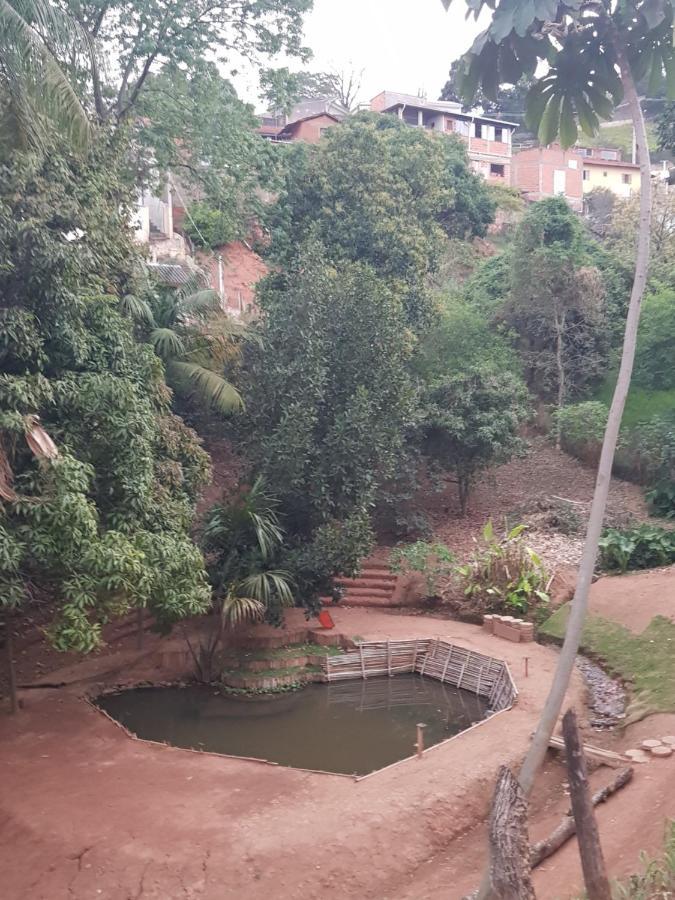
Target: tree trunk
(551,711)
(560,369)
(510,877)
(590,851)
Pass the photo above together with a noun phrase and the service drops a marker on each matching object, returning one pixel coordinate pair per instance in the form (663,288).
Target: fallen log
(567,829)
(599,754)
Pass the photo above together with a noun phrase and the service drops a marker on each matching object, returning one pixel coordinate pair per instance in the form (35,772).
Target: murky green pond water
(353,727)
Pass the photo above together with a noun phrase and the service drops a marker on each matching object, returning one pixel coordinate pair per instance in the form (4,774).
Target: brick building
(488,140)
(540,172)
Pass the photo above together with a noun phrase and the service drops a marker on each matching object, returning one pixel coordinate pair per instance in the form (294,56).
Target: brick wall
(533,172)
(310,130)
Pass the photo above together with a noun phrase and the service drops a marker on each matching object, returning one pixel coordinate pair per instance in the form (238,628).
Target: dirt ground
(635,600)
(89,812)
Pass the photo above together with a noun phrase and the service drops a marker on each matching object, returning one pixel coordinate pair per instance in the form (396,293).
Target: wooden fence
(446,662)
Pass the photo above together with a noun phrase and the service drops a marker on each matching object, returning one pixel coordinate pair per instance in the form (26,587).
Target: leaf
(587,118)
(488,531)
(656,74)
(546,10)
(188,377)
(535,104)
(568,124)
(503,20)
(515,532)
(166,342)
(601,104)
(653,12)
(548,127)
(524,16)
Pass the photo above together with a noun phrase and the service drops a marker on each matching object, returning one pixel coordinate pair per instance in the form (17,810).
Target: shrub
(209,227)
(581,427)
(654,358)
(433,561)
(642,547)
(657,879)
(504,575)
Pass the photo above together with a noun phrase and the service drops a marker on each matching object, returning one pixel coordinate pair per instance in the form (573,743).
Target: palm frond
(275,584)
(191,378)
(197,304)
(167,343)
(36,89)
(137,309)
(241,610)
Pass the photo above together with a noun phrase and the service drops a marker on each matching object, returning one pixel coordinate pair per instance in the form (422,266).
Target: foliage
(504,574)
(432,560)
(328,401)
(621,234)
(646,661)
(242,540)
(582,44)
(143,35)
(105,525)
(209,227)
(460,340)
(489,286)
(192,124)
(581,426)
(661,498)
(36,95)
(282,89)
(654,357)
(556,304)
(195,340)
(425,191)
(641,547)
(471,421)
(509,100)
(658,876)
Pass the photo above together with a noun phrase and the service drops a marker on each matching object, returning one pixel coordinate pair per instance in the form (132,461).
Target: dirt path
(87,812)
(634,600)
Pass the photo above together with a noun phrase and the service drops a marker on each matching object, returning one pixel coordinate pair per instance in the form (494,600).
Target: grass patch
(291,651)
(645,661)
(641,405)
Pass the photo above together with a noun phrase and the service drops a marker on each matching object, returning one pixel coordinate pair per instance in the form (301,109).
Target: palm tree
(36,94)
(241,539)
(196,340)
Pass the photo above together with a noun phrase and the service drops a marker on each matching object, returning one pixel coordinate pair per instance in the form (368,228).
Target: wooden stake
(527,666)
(419,746)
(590,851)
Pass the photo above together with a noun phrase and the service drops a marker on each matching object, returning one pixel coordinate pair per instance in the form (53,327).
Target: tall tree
(595,52)
(425,192)
(144,35)
(283,89)
(556,302)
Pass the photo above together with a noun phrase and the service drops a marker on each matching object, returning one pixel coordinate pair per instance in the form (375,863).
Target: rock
(661,751)
(650,744)
(638,756)
(668,740)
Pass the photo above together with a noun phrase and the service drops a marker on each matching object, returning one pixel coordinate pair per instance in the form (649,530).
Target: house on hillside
(307,121)
(539,172)
(488,140)
(604,168)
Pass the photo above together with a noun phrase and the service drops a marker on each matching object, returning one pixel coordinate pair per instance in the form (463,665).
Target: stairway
(375,585)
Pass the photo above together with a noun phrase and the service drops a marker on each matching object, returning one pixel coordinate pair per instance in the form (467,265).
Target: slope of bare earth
(88,812)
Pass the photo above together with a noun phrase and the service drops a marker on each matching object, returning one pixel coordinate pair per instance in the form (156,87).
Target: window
(559,181)
(497,169)
(499,134)
(480,130)
(609,154)
(462,127)
(604,174)
(322,131)
(572,163)
(626,179)
(586,175)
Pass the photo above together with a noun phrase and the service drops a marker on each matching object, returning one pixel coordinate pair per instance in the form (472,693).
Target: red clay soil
(89,812)
(635,600)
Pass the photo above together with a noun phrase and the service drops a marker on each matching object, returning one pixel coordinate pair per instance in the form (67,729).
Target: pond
(352,727)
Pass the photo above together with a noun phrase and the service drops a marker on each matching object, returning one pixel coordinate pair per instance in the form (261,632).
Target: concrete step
(367,592)
(377,583)
(367,600)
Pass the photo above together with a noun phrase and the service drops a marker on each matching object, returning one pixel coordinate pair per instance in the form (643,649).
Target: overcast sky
(402,45)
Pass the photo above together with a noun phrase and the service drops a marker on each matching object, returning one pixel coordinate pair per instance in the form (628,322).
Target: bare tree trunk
(590,851)
(575,624)
(510,876)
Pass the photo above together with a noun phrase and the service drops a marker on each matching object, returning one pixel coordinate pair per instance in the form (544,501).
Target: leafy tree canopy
(379,192)
(191,123)
(283,89)
(104,525)
(328,400)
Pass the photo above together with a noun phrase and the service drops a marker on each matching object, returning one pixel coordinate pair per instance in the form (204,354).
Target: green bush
(208,227)
(642,547)
(654,358)
(433,561)
(582,426)
(504,575)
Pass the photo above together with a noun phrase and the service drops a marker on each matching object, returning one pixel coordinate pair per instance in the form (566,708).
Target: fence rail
(441,660)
